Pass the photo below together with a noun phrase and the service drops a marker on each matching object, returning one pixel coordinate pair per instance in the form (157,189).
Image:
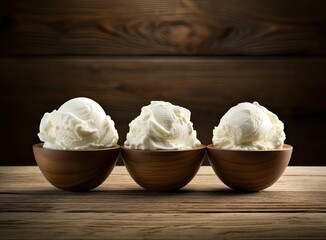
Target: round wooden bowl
(72,170)
(163,170)
(249,170)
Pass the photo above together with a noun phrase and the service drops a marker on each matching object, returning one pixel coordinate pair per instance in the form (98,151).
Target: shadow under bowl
(76,170)
(249,170)
(163,170)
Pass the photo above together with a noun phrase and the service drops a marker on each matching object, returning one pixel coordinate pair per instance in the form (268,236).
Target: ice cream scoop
(249,126)
(78,124)
(162,125)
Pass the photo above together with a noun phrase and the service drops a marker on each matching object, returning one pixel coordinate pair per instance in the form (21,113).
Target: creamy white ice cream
(249,126)
(162,125)
(79,123)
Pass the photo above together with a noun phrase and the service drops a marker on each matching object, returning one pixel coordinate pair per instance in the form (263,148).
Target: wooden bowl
(249,170)
(163,170)
(72,170)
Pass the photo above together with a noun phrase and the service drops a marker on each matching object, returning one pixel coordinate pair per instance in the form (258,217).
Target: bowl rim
(40,146)
(286,147)
(200,147)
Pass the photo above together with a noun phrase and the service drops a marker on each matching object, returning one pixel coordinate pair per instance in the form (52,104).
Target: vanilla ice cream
(79,123)
(249,126)
(162,125)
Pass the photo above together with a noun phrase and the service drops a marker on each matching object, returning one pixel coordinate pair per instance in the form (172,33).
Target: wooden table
(293,208)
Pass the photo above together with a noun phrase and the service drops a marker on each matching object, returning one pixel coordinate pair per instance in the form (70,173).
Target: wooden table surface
(293,208)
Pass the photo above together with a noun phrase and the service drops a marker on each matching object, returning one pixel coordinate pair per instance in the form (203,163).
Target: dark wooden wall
(206,55)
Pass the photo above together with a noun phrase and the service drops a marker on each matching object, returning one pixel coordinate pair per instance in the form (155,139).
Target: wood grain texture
(76,170)
(293,208)
(249,170)
(163,170)
(164,226)
(293,88)
(164,27)
(307,179)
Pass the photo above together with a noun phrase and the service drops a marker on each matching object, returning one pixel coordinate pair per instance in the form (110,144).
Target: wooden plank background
(205,55)
(208,87)
(138,27)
